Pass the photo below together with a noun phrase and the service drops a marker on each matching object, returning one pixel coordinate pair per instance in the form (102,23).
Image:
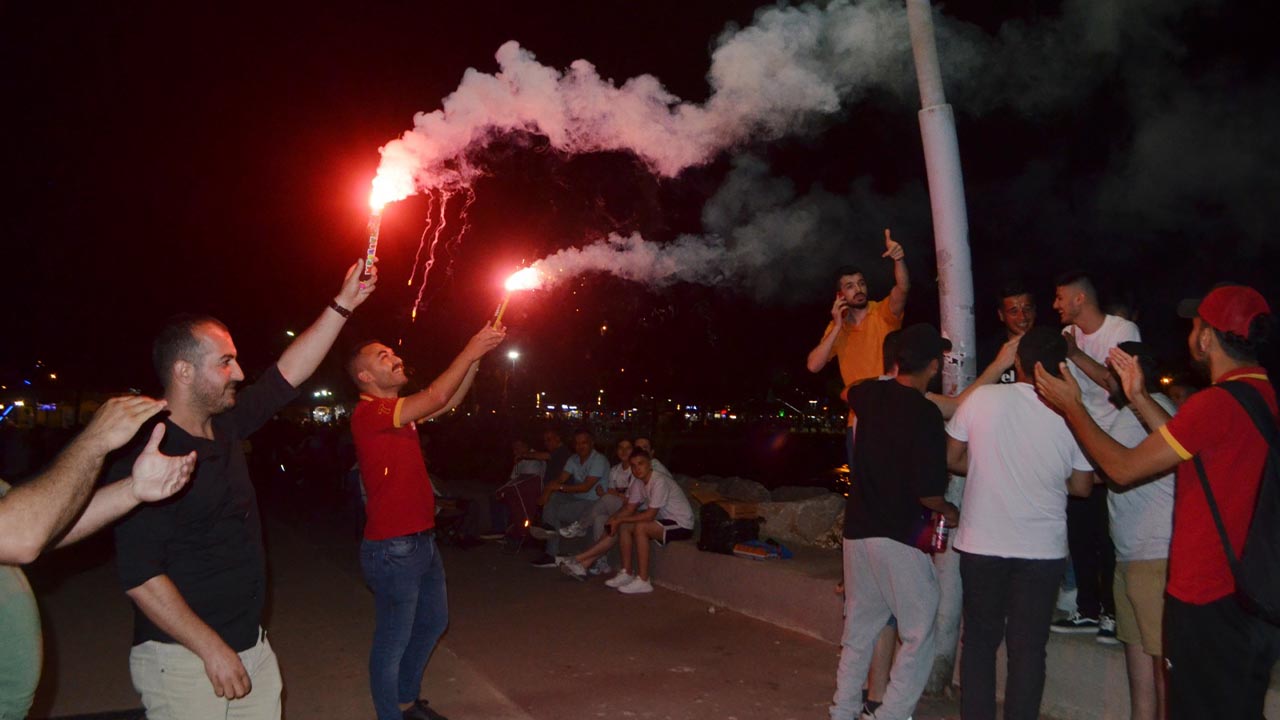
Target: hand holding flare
(523,279)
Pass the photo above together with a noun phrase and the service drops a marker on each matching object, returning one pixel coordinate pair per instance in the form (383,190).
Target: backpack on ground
(1257,582)
(721,532)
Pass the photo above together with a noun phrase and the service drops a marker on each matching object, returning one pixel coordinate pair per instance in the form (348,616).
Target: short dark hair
(584,430)
(638,438)
(639,453)
(353,354)
(1245,349)
(889,350)
(844,270)
(1012,288)
(177,341)
(1042,345)
(1080,278)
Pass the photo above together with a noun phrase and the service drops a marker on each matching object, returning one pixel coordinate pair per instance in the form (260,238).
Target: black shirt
(987,351)
(899,456)
(208,538)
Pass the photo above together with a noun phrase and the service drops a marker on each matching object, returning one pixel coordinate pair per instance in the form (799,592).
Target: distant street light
(512,355)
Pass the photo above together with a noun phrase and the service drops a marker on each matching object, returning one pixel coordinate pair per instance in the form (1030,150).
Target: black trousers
(1009,599)
(1093,555)
(1219,660)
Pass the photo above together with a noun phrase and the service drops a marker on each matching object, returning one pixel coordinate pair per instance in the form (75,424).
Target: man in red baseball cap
(1219,657)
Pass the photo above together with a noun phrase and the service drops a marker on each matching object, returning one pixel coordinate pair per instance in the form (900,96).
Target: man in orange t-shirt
(856,332)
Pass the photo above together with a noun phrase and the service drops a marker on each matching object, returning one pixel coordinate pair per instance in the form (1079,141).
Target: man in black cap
(899,466)
(1219,657)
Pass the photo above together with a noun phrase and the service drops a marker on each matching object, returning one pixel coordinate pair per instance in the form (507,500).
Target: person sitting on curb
(666,516)
(570,496)
(612,496)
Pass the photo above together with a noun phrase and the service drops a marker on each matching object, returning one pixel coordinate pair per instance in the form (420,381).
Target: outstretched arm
(155,476)
(461,392)
(1004,360)
(1124,466)
(901,280)
(37,511)
(437,396)
(304,354)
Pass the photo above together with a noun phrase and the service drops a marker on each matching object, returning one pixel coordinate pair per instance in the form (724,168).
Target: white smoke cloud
(767,80)
(795,65)
(764,238)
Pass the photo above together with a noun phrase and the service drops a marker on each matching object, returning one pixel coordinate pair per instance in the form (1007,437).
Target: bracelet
(334,306)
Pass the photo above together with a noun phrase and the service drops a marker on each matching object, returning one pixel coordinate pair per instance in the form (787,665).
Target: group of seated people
(635,501)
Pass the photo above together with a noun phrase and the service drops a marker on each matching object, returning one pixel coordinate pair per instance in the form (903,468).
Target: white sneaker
(622,578)
(541,532)
(573,530)
(636,586)
(600,567)
(573,569)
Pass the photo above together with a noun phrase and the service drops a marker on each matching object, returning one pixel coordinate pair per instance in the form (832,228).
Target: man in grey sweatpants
(900,475)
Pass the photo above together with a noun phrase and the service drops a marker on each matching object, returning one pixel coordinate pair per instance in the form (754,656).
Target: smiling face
(624,450)
(1068,300)
(378,367)
(1017,313)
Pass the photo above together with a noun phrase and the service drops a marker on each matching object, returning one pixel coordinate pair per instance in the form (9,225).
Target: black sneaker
(544,561)
(1107,630)
(1075,623)
(421,710)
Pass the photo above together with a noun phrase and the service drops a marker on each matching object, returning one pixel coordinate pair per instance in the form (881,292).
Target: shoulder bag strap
(1258,411)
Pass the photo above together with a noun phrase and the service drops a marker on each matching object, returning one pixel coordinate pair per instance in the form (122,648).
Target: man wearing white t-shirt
(1091,334)
(1020,460)
(1142,527)
(656,510)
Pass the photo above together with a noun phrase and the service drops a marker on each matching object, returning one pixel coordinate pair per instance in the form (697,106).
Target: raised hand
(1060,393)
(1008,353)
(891,248)
(482,342)
(157,476)
(354,291)
(1130,371)
(118,420)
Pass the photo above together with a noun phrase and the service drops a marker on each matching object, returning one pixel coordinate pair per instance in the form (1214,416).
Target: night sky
(207,158)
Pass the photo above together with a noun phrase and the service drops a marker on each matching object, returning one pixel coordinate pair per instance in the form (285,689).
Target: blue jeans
(411,612)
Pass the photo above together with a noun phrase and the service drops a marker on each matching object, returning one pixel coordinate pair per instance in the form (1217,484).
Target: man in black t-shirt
(194,565)
(899,474)
(1017,314)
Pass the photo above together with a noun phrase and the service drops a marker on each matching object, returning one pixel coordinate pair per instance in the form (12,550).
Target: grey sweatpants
(883,577)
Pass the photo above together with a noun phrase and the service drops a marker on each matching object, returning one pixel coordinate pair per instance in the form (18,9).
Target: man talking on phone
(856,332)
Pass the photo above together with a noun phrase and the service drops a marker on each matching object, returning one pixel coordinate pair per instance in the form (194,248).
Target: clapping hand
(1130,371)
(157,476)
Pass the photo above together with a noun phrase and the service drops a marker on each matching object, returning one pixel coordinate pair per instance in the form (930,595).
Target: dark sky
(208,158)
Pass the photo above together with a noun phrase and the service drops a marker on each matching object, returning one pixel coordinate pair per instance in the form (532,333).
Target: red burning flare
(523,279)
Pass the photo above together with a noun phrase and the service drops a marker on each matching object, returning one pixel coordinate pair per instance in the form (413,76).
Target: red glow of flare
(524,279)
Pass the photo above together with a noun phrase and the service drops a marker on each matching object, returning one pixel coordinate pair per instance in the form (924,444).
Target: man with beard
(1219,656)
(398,554)
(1091,334)
(858,326)
(194,566)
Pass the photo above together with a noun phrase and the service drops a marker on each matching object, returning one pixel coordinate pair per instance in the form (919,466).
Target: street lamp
(512,355)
